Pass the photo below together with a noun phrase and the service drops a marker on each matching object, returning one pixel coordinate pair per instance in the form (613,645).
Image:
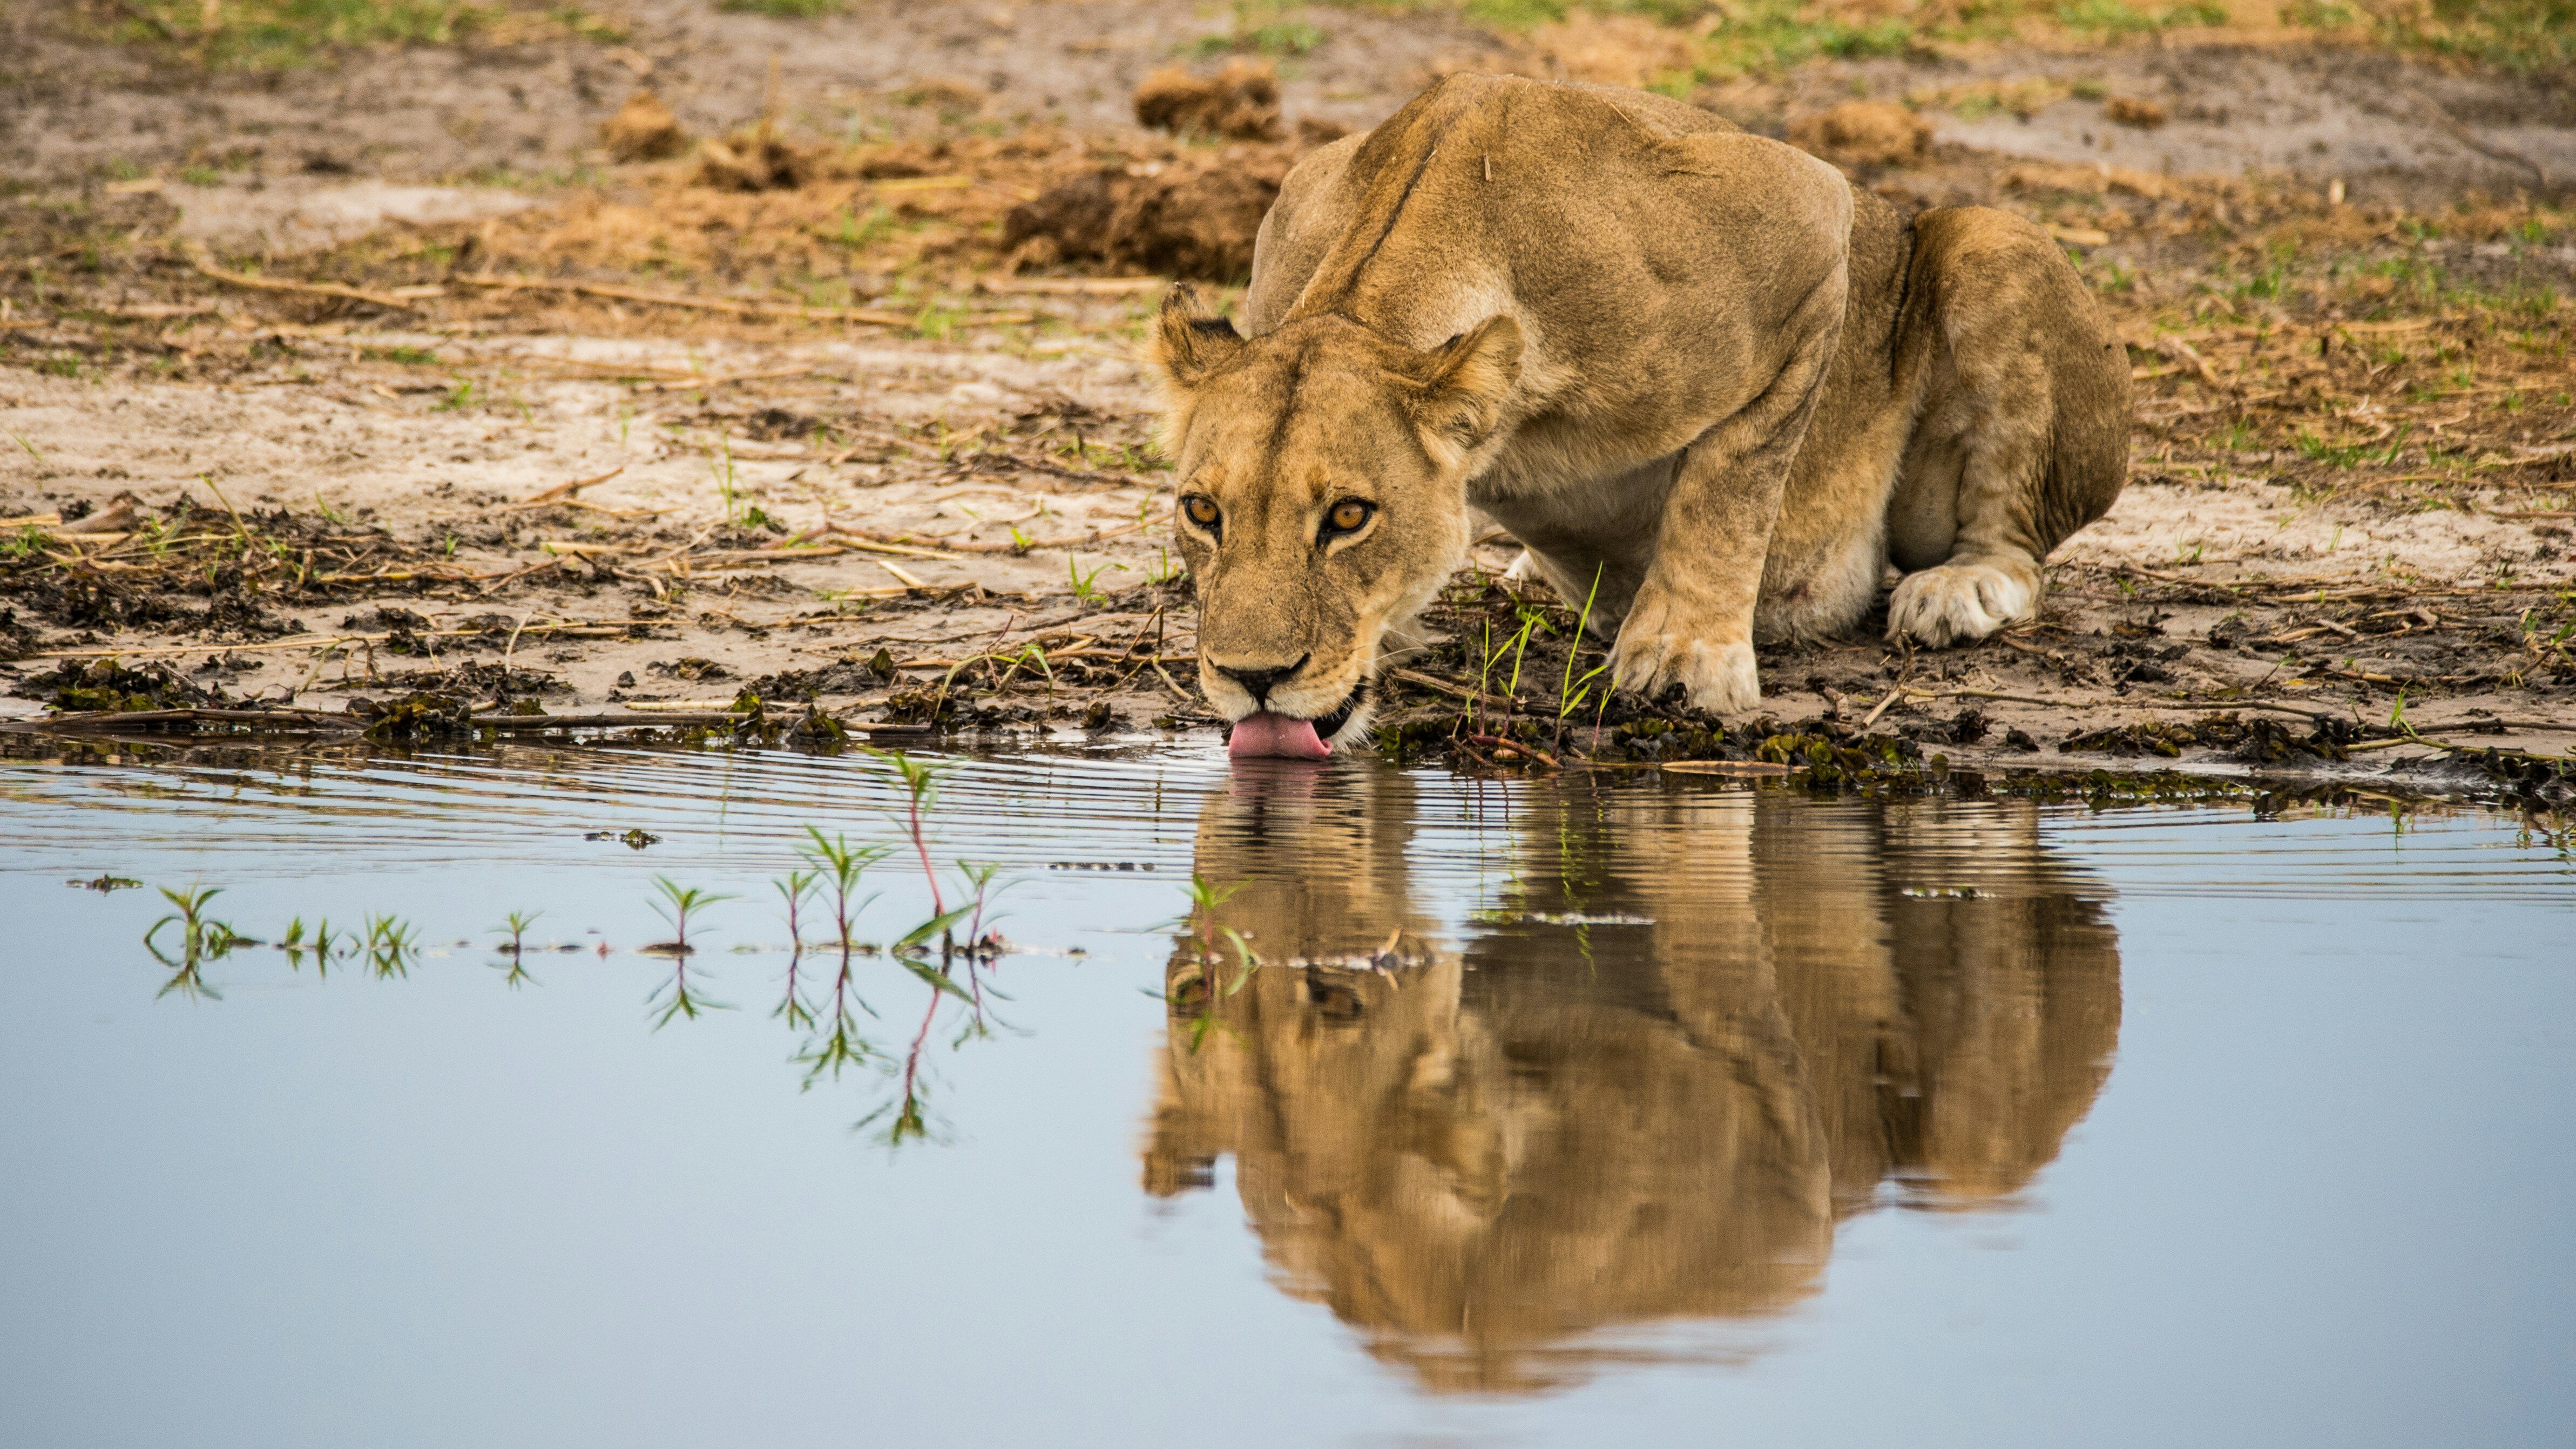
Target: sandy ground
(848,512)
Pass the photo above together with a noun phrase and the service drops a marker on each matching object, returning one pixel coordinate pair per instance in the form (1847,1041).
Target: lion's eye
(1202,510)
(1348,515)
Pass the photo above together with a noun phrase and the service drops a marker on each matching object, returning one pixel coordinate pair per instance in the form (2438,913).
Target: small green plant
(981,877)
(321,943)
(1571,692)
(837,1049)
(392,946)
(2117,17)
(782,9)
(677,905)
(728,490)
(1031,657)
(2350,455)
(459,397)
(921,789)
(1533,621)
(916,942)
(515,925)
(1279,38)
(1202,935)
(796,889)
(275,34)
(201,937)
(841,865)
(858,233)
(1084,586)
(935,323)
(679,996)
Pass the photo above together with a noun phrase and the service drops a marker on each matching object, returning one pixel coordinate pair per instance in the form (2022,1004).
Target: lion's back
(1323,194)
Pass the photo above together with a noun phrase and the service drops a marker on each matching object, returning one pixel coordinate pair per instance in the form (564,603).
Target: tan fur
(1687,362)
(1503,1142)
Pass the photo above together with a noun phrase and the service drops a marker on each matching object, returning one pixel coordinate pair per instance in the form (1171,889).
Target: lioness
(1712,388)
(1688,1034)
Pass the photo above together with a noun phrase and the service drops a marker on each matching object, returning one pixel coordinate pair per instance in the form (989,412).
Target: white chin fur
(1355,730)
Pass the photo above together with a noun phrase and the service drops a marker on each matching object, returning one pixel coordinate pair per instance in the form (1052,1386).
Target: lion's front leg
(1692,620)
(1700,638)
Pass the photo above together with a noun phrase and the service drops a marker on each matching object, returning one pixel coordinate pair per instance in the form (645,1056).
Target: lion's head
(1322,502)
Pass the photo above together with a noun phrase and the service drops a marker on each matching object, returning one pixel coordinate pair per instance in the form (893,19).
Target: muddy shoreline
(869,450)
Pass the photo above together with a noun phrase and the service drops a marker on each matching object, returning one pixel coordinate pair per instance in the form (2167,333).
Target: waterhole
(539,1096)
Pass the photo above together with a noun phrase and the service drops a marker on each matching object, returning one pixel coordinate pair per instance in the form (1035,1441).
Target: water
(1678,1111)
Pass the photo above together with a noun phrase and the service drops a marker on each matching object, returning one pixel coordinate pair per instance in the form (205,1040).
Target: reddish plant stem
(912,1057)
(921,844)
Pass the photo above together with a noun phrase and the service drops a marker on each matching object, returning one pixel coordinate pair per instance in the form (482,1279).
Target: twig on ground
(562,491)
(866,542)
(1532,751)
(1460,691)
(1073,286)
(862,315)
(396,301)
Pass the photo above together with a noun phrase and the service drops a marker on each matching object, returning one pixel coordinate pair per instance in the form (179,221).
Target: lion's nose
(1258,682)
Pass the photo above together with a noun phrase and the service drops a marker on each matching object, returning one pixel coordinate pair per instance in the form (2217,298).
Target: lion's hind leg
(1975,569)
(2023,436)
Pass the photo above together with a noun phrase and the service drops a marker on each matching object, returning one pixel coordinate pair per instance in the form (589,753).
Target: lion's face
(1320,504)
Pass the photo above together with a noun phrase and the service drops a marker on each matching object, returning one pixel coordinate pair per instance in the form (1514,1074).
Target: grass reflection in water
(951,954)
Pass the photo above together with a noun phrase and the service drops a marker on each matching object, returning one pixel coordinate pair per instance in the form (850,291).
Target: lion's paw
(1719,678)
(1960,603)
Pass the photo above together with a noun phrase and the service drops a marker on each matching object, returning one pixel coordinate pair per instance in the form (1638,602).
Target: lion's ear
(1191,341)
(1461,386)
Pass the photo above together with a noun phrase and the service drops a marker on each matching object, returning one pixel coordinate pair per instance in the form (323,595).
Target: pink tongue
(1277,735)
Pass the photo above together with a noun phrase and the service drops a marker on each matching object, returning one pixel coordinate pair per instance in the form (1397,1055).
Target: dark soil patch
(104,684)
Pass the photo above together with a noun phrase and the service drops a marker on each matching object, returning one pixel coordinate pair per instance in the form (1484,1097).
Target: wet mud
(862,437)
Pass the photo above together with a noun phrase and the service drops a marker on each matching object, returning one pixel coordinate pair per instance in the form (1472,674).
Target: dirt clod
(104,684)
(2130,111)
(417,717)
(1239,103)
(1864,133)
(643,130)
(753,160)
(947,95)
(689,667)
(1191,218)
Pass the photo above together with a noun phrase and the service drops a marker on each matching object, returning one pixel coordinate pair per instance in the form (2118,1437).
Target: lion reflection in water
(1702,1027)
